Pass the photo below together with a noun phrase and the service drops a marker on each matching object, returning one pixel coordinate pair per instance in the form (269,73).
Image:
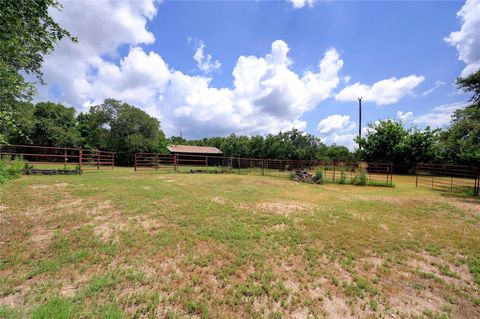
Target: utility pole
(360,117)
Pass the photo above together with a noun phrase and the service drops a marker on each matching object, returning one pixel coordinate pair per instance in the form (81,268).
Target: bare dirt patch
(278,227)
(68,290)
(61,185)
(42,237)
(385,199)
(219,200)
(38,186)
(336,307)
(472,206)
(283,207)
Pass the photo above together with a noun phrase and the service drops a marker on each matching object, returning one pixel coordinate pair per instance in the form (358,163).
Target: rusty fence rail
(70,158)
(154,161)
(96,159)
(449,178)
(332,171)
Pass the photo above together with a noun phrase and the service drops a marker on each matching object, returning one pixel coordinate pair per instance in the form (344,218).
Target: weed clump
(10,169)
(318,178)
(360,179)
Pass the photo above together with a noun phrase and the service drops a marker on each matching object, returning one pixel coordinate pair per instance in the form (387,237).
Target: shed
(194,150)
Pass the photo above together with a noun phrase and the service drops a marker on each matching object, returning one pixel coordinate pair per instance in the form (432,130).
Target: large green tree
(121,128)
(55,125)
(27,34)
(462,139)
(383,142)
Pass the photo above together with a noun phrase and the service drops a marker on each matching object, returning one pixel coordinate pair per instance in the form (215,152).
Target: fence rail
(376,172)
(450,178)
(53,156)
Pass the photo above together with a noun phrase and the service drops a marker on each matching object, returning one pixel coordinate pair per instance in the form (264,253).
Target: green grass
(146,244)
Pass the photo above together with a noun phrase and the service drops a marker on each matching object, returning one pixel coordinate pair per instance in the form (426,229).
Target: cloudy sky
(208,68)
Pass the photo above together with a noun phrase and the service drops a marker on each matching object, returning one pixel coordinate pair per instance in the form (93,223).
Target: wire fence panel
(449,178)
(154,161)
(57,158)
(41,155)
(96,159)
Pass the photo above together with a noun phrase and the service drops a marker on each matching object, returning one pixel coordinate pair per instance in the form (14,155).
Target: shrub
(380,184)
(343,176)
(360,178)
(10,169)
(318,178)
(292,175)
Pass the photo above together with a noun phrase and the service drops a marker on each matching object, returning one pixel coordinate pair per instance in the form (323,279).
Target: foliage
(383,142)
(55,125)
(360,178)
(380,184)
(16,124)
(471,83)
(462,139)
(318,178)
(121,128)
(28,34)
(10,169)
(343,176)
(292,144)
(388,141)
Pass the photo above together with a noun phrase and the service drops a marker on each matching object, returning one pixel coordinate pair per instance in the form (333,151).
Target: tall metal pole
(359,117)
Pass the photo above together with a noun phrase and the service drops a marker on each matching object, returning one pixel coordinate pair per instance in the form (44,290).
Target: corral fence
(375,172)
(332,171)
(450,178)
(57,160)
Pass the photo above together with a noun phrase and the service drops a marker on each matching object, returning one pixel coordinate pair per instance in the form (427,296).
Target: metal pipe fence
(332,171)
(51,157)
(449,178)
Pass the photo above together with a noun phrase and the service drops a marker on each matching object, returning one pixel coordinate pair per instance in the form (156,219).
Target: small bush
(380,184)
(360,178)
(292,175)
(318,178)
(10,169)
(343,176)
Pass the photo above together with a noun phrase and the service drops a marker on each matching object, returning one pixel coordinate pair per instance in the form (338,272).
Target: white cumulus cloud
(404,117)
(383,92)
(439,116)
(467,39)
(298,4)
(337,129)
(266,96)
(204,61)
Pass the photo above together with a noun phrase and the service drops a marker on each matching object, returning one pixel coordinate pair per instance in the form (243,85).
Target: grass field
(120,244)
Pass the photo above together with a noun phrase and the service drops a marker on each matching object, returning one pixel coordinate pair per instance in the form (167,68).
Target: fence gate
(449,178)
(96,159)
(155,161)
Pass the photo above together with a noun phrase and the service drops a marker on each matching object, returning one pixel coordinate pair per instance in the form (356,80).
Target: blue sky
(252,67)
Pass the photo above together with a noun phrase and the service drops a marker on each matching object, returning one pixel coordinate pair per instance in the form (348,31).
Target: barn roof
(186,149)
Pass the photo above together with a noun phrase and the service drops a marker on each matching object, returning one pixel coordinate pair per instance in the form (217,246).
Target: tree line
(125,129)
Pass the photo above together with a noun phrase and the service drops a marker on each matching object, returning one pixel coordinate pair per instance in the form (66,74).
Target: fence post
(416,175)
(135,162)
(98,160)
(155,156)
(263,167)
(175,162)
(334,173)
(113,161)
(206,164)
(80,157)
(64,158)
